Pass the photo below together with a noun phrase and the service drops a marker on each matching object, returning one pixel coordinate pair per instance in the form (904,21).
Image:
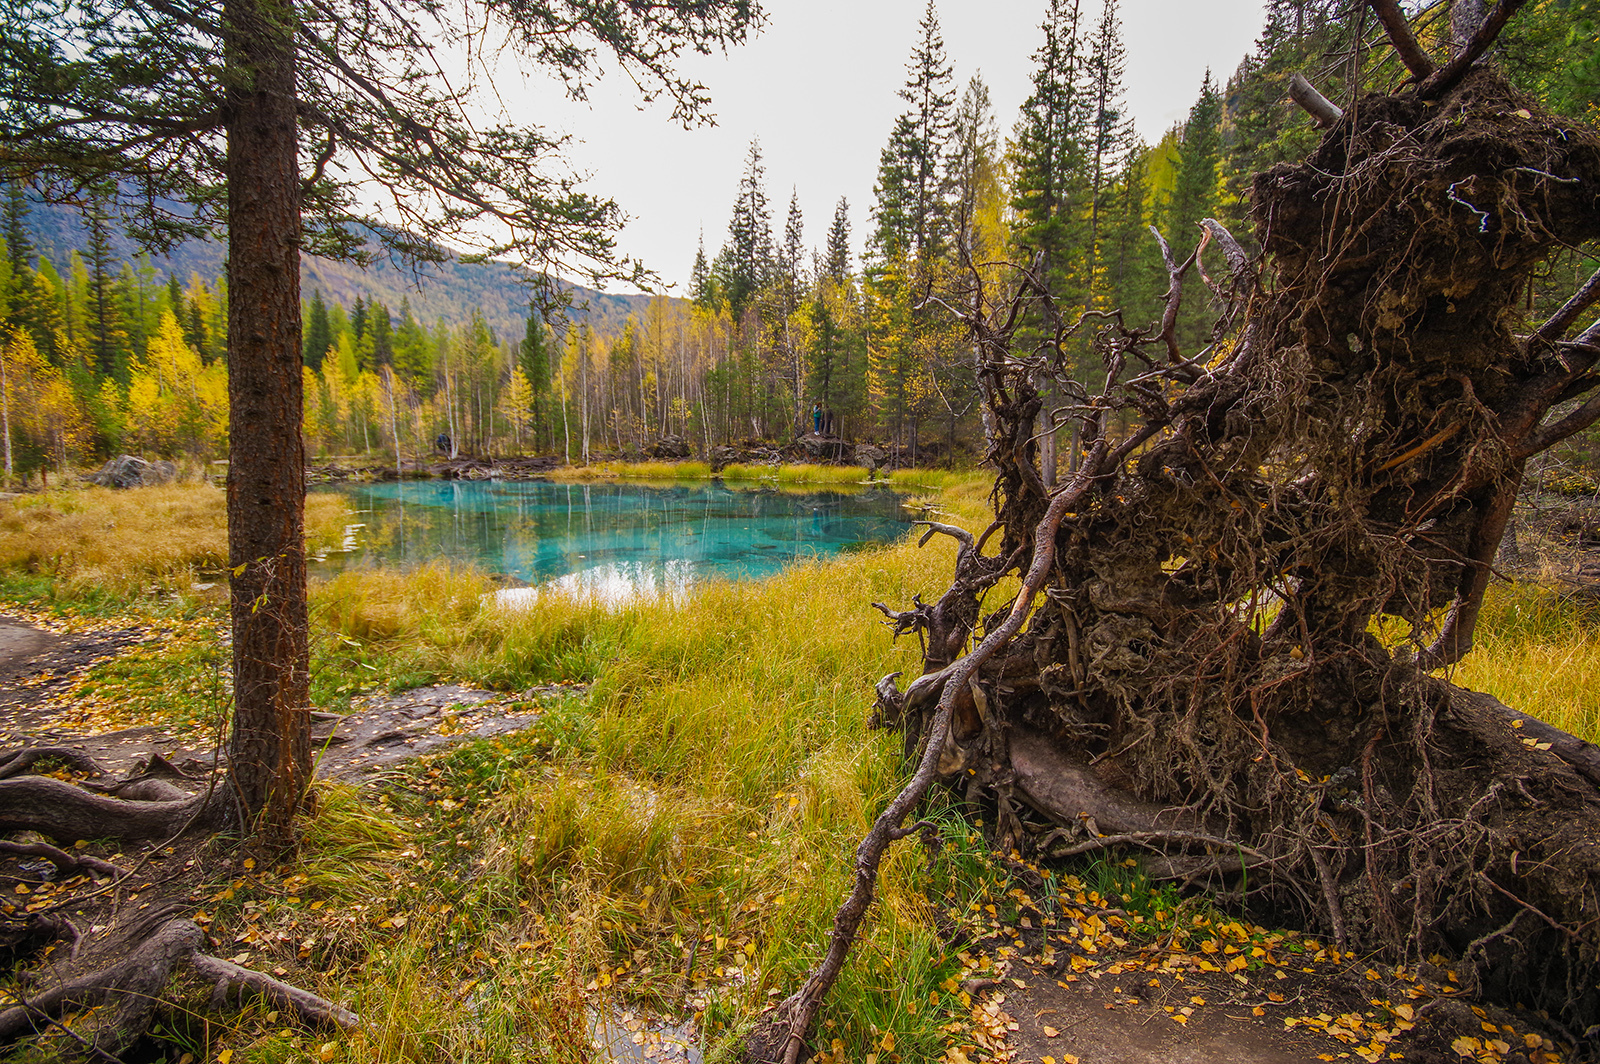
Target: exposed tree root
(131,989)
(123,993)
(1190,665)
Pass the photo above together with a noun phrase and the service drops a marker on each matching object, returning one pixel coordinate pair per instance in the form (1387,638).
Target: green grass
(701,800)
(677,835)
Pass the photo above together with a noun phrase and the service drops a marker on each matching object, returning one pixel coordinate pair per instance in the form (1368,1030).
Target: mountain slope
(447,292)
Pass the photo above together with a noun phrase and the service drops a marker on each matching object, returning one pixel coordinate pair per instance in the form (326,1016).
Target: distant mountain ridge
(448,291)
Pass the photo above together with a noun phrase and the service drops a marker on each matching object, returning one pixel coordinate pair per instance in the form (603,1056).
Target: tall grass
(122,541)
(1538,651)
(680,834)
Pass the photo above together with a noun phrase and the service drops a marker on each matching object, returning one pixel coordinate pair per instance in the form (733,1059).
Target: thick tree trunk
(270,752)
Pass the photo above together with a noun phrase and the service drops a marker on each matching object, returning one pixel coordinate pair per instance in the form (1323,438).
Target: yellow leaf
(328,1050)
(1465,1047)
(1068,1058)
(1180,1019)
(887,1042)
(224,1056)
(1050,1032)
(1197,1000)
(1405,1012)
(249,863)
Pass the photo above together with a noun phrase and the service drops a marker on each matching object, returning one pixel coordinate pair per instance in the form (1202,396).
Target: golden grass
(124,540)
(705,796)
(1539,652)
(698,804)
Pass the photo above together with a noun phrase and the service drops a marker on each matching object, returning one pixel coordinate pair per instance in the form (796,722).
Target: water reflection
(609,541)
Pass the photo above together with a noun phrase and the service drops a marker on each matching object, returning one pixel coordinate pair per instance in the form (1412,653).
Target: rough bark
(270,747)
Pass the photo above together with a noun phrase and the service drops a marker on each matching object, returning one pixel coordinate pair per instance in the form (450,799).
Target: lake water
(610,540)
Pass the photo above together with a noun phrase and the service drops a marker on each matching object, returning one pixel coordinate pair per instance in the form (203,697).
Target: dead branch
(1399,33)
(132,988)
(800,1010)
(1318,106)
(1558,323)
(1445,78)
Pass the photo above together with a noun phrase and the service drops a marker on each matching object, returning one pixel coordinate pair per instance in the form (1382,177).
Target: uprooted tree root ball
(1191,666)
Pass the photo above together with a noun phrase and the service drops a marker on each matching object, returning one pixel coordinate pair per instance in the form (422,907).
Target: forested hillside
(118,352)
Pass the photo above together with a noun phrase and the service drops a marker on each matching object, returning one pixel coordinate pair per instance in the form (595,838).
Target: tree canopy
(386,98)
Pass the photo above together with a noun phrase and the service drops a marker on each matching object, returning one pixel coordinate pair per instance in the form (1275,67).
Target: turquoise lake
(611,540)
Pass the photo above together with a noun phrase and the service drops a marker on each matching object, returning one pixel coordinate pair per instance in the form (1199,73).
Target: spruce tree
(1194,196)
(19,247)
(749,250)
(319,335)
(1110,128)
(930,91)
(700,287)
(971,172)
(837,263)
(533,355)
(381,327)
(105,328)
(1048,152)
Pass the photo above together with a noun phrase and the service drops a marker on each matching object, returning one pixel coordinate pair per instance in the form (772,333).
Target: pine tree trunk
(270,751)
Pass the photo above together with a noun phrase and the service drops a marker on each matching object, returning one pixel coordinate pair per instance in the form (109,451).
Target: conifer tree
(319,335)
(700,286)
(1110,128)
(973,176)
(533,356)
(837,263)
(183,102)
(749,250)
(1049,190)
(381,328)
(19,247)
(1199,155)
(930,91)
(105,330)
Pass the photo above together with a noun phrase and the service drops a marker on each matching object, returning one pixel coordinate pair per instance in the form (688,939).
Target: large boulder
(721,457)
(872,457)
(127,471)
(824,448)
(670,446)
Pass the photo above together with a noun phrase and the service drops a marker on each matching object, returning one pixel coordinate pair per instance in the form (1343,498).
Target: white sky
(818,85)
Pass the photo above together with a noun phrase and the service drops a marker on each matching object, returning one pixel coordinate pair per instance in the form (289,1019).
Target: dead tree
(1191,664)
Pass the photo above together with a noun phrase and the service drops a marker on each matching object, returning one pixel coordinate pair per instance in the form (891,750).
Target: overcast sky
(817,86)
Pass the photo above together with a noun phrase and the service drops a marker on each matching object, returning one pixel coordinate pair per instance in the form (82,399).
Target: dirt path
(38,670)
